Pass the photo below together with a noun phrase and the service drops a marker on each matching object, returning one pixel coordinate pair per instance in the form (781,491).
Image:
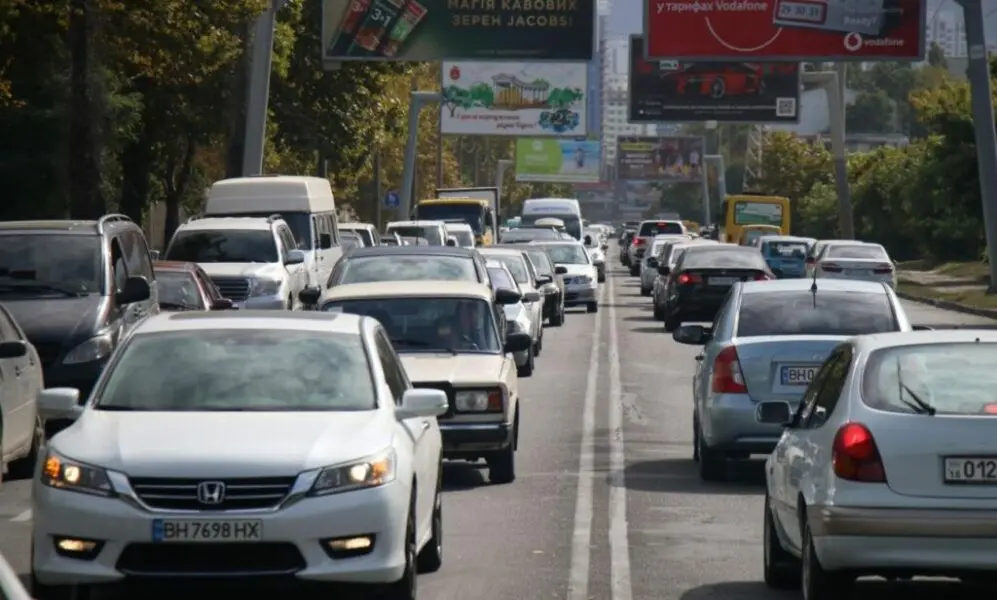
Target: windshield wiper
(117,408)
(8,286)
(422,344)
(918,405)
(178,305)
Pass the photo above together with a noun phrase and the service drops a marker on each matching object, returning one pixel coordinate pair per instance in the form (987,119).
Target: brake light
(762,277)
(855,456)
(688,279)
(883,269)
(830,267)
(727,376)
(638,241)
(811,261)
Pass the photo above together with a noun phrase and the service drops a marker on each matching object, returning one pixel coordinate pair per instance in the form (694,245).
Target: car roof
(461,226)
(230,223)
(174,265)
(571,242)
(455,251)
(356,225)
(496,251)
(867,343)
(422,223)
(787,238)
(409,289)
(250,319)
(805,285)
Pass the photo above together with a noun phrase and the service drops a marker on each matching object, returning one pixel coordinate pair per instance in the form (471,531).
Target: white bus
(565,209)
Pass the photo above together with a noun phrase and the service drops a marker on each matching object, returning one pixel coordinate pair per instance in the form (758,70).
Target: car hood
(458,370)
(58,320)
(576,270)
(222,444)
(267,270)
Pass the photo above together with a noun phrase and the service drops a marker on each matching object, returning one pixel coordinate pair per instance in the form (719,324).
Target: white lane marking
(22,517)
(619,539)
(581,537)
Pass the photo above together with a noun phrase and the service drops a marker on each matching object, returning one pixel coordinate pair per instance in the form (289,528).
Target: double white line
(619,546)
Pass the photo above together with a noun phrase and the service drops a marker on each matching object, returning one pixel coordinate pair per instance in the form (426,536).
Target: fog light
(77,548)
(348,546)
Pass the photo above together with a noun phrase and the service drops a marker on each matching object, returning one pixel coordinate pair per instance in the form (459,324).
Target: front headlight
(66,474)
(96,348)
(583,279)
(478,400)
(366,473)
(264,287)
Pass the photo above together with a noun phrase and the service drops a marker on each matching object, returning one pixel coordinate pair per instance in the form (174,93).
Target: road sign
(391,200)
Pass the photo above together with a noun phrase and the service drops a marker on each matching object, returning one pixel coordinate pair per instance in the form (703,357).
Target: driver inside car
(461,332)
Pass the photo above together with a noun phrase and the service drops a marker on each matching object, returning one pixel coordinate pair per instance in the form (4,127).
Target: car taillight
(855,456)
(638,241)
(727,377)
(762,277)
(811,261)
(688,279)
(883,269)
(830,267)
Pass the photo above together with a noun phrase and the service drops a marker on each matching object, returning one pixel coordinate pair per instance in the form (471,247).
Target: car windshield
(656,249)
(465,238)
(468,213)
(515,236)
(945,379)
(541,262)
(45,265)
(572,224)
(421,324)
(299,222)
(500,279)
(568,254)
(865,251)
(653,228)
(796,250)
(401,267)
(714,257)
(363,234)
(426,232)
(516,266)
(178,290)
(240,370)
(223,246)
(785,312)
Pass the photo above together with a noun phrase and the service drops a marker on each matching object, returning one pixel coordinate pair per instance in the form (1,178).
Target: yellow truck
(476,212)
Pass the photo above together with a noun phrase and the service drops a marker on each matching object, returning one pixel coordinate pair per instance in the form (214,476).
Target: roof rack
(111,218)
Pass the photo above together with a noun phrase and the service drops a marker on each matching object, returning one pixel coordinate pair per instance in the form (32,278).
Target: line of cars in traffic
(877,432)
(216,407)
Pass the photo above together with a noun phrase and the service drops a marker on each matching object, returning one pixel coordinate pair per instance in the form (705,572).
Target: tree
(936,56)
(871,113)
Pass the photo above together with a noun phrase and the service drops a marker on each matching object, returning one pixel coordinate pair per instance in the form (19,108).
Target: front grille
(239,494)
(235,289)
(48,352)
(443,386)
(257,558)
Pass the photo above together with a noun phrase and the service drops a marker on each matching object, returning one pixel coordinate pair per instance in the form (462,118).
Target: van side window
(334,226)
(118,266)
(137,255)
(323,226)
(286,240)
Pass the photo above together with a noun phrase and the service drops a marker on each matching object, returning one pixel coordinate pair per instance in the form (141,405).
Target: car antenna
(813,288)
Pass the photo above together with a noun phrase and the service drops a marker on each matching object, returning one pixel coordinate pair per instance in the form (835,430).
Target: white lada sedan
(240,445)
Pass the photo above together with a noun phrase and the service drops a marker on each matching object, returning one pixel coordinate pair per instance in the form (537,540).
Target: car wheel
(431,557)
(712,462)
(405,588)
(592,307)
(539,345)
(815,582)
(527,369)
(502,464)
(634,271)
(645,291)
(557,319)
(24,468)
(658,315)
(602,277)
(781,569)
(672,322)
(695,438)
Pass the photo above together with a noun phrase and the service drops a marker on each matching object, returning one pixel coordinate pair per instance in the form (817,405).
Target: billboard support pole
(830,81)
(983,119)
(417,101)
(258,96)
(718,161)
(503,165)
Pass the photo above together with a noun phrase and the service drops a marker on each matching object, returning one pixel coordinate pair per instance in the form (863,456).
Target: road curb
(949,305)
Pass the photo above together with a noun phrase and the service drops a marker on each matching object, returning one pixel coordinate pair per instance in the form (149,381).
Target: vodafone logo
(853,42)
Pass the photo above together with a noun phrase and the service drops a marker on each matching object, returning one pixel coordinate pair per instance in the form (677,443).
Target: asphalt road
(607,505)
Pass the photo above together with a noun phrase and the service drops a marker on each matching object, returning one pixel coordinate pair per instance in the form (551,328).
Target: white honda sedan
(239,445)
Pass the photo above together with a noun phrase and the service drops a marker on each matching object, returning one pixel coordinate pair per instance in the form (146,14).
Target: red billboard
(785,30)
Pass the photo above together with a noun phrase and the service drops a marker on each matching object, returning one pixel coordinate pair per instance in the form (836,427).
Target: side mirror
(13,349)
(588,240)
(518,342)
(57,404)
(294,257)
(652,263)
(324,241)
(154,254)
(136,290)
(693,335)
(604,247)
(544,280)
(451,241)
(310,296)
(914,327)
(422,402)
(531,297)
(664,270)
(560,270)
(506,296)
(774,413)
(222,304)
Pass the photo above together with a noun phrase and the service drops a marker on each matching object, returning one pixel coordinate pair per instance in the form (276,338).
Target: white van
(565,209)
(306,204)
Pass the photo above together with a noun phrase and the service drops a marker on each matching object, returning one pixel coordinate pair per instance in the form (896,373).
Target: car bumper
(580,294)
(731,423)
(917,540)
(462,440)
(297,530)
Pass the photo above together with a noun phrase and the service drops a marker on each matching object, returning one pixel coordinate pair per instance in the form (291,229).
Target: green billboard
(557,161)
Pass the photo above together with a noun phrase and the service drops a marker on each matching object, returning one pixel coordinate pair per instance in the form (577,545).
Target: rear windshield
(824,313)
(951,379)
(397,267)
(722,258)
(856,251)
(786,249)
(653,228)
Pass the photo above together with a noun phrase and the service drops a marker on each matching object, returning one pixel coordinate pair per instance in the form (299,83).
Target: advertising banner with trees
(557,161)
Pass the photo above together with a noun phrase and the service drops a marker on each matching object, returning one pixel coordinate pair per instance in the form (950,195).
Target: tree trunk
(85,195)
(136,164)
(176,186)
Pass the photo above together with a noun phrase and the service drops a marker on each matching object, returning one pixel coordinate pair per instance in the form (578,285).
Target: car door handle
(17,371)
(426,425)
(700,357)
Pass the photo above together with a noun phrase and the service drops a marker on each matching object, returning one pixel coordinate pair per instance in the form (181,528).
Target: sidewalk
(953,286)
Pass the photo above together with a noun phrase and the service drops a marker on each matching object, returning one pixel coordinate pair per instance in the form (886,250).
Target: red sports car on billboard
(719,80)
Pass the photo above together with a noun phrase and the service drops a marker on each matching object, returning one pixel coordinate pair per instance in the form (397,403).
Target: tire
(601,278)
(405,588)
(645,291)
(539,346)
(24,468)
(815,582)
(712,463)
(634,271)
(592,307)
(695,438)
(431,557)
(527,369)
(781,569)
(672,322)
(502,464)
(658,314)
(557,319)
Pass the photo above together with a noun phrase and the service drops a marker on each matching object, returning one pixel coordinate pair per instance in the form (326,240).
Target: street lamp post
(417,101)
(258,95)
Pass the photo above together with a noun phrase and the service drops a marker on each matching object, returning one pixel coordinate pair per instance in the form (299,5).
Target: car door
(423,431)
(19,389)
